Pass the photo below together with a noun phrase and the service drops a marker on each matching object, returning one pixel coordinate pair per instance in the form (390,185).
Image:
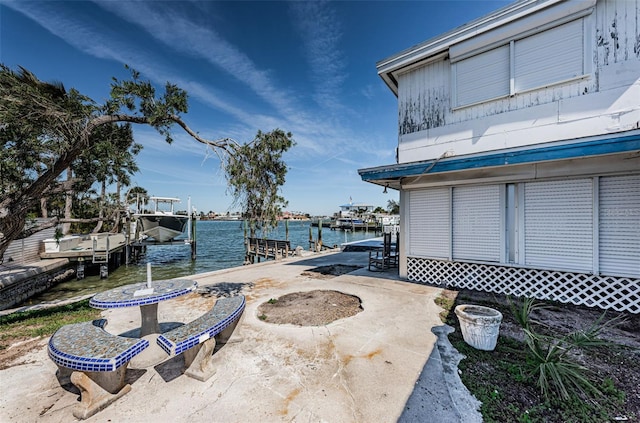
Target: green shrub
(550,359)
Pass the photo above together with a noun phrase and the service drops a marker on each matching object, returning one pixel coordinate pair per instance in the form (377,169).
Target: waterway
(220,245)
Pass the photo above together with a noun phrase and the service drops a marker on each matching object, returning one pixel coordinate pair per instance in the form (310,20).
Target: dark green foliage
(45,129)
(255,173)
(393,207)
(550,358)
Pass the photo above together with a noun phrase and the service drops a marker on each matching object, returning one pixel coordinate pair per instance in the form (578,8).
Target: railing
(267,248)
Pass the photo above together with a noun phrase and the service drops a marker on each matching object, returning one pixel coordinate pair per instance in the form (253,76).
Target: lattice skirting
(606,292)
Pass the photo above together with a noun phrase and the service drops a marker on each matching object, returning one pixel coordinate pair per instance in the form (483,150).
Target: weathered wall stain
(424,93)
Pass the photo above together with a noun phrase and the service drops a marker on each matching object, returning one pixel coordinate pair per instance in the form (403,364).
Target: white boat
(163,224)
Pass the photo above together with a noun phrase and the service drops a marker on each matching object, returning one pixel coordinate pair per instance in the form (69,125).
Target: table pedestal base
(149,320)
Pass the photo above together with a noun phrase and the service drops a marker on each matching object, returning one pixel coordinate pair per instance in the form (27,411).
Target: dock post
(193,239)
(80,269)
(319,235)
(247,254)
(127,239)
(104,271)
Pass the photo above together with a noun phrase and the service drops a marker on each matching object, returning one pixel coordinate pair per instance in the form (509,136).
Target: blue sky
(306,67)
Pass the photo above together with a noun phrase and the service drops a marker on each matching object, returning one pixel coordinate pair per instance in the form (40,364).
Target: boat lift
(136,245)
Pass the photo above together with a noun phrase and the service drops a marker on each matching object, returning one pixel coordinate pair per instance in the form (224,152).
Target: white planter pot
(479,325)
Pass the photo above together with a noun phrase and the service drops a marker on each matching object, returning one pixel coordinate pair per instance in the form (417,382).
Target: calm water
(220,245)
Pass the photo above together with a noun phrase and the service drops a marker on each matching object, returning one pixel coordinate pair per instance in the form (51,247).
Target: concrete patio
(360,369)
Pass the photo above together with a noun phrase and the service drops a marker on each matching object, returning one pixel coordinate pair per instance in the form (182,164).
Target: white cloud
(319,28)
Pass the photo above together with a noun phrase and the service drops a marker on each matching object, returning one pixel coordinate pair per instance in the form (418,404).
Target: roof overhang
(391,175)
(517,18)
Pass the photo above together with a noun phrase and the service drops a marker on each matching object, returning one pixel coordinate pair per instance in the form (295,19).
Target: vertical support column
(286,229)
(127,239)
(193,240)
(80,269)
(149,319)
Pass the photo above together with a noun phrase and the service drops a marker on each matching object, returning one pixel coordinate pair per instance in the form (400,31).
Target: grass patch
(446,300)
(44,322)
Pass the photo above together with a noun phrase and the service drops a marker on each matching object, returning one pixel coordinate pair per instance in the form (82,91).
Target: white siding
(429,223)
(611,59)
(482,77)
(476,223)
(617,29)
(549,57)
(423,97)
(558,219)
(619,231)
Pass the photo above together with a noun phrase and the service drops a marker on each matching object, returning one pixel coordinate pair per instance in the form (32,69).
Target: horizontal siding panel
(558,219)
(476,223)
(429,223)
(619,231)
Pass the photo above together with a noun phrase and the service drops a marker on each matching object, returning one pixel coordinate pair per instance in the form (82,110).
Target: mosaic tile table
(138,295)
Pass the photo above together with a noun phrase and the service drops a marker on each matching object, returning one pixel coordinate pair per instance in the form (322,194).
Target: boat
(361,217)
(163,224)
(354,217)
(326,222)
(348,223)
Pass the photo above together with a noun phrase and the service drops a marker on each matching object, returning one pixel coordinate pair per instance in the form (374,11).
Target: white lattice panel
(606,292)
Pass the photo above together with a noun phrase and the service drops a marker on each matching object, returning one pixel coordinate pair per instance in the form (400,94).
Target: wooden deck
(105,245)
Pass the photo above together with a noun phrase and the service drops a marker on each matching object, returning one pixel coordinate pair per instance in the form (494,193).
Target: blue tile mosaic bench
(196,340)
(95,361)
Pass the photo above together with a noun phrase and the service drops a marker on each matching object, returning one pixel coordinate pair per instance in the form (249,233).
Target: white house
(518,158)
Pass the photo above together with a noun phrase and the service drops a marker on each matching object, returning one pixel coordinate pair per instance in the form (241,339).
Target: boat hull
(162,228)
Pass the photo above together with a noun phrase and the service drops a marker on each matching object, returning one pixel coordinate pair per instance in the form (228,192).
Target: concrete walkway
(372,367)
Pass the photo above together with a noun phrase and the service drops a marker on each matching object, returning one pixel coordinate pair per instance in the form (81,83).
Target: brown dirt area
(311,308)
(331,271)
(17,351)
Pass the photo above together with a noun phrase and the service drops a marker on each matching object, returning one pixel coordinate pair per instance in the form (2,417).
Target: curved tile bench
(95,361)
(197,339)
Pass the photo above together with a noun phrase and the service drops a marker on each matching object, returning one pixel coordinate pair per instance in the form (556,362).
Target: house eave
(391,175)
(439,46)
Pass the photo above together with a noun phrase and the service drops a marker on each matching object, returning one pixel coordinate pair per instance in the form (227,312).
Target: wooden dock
(266,248)
(374,227)
(90,246)
(104,250)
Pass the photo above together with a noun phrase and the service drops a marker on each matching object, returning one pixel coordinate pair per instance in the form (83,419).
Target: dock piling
(80,269)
